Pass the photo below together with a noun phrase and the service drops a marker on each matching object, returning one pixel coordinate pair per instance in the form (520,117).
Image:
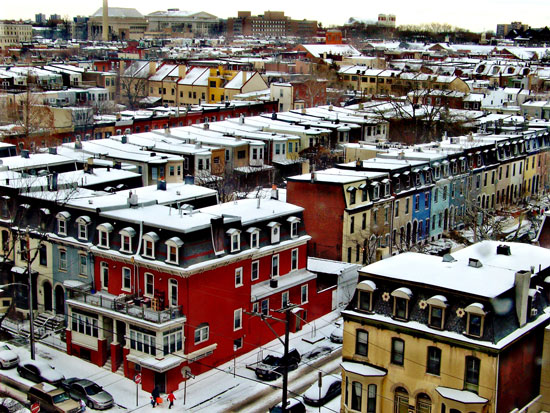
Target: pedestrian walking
(154,396)
(171,399)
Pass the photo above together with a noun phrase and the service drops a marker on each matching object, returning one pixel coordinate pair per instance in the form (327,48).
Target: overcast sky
(474,15)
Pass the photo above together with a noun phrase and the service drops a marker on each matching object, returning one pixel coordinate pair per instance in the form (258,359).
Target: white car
(8,357)
(337,335)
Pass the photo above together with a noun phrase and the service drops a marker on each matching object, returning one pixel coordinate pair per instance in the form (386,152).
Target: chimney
(182,71)
(152,68)
(503,250)
(105,22)
(521,285)
(124,139)
(244,77)
(274,192)
(313,177)
(258,202)
(161,185)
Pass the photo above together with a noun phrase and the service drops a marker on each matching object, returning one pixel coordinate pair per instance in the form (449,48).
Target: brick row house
(152,281)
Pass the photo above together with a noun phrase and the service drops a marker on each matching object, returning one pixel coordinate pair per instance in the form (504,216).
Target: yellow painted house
(429,334)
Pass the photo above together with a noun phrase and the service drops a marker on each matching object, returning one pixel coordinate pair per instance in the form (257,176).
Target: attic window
(365,290)
(294,221)
(275,231)
(235,235)
(475,319)
(173,245)
(401,298)
(126,235)
(149,241)
(83,222)
(436,317)
(62,218)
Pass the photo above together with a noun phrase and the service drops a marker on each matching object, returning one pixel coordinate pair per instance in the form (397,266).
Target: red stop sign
(137,379)
(35,408)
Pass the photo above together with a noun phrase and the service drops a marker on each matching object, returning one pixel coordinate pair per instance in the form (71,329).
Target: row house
(359,202)
(156,268)
(434,188)
(430,334)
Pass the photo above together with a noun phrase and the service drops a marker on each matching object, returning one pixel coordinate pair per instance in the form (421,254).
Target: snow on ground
(217,390)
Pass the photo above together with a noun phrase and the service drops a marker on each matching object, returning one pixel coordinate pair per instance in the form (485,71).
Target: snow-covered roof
(322,265)
(362,369)
(496,276)
(462,396)
(239,80)
(318,50)
(119,12)
(338,176)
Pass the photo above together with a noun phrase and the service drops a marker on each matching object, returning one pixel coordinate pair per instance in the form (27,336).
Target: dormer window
(294,221)
(173,246)
(235,236)
(352,194)
(254,237)
(149,241)
(401,299)
(375,191)
(275,231)
(436,317)
(126,235)
(437,172)
(475,319)
(83,222)
(62,219)
(104,230)
(364,192)
(365,290)
(386,183)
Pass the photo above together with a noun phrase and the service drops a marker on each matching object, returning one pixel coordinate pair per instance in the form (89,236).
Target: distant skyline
(473,15)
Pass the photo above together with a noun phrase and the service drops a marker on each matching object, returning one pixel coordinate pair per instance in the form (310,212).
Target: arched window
(149,241)
(423,403)
(401,400)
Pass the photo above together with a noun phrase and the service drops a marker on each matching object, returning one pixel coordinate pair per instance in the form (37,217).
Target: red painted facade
(323,205)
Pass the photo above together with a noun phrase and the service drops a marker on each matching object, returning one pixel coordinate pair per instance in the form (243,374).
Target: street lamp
(31,314)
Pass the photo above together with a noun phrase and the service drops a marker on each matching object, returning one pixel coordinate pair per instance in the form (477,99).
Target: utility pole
(290,308)
(31,299)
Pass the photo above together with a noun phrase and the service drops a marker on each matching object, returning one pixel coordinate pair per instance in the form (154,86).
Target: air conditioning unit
(534,312)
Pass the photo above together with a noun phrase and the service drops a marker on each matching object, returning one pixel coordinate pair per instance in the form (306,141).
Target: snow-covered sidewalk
(216,390)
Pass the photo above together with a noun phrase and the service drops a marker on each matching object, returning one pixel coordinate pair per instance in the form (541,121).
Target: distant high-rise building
(271,23)
(54,17)
(387,20)
(40,18)
(504,29)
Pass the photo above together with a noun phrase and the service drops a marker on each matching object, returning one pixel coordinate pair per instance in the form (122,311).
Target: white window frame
(294,263)
(83,223)
(266,301)
(304,288)
(173,294)
(149,243)
(149,281)
(255,238)
(124,287)
(234,239)
(237,319)
(294,221)
(103,231)
(203,331)
(275,264)
(285,296)
(126,234)
(257,265)
(104,266)
(83,266)
(238,277)
(62,219)
(173,248)
(63,262)
(275,231)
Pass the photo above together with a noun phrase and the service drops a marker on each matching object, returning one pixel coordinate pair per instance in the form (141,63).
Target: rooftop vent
(273,283)
(503,250)
(124,139)
(25,153)
(474,262)
(448,258)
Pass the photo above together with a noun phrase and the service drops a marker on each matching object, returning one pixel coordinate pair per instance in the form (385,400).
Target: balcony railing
(137,307)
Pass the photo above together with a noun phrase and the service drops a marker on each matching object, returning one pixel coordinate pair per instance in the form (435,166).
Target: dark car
(89,392)
(317,352)
(331,387)
(38,371)
(292,406)
(272,366)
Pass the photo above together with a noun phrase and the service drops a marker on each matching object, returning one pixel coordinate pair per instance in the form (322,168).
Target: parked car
(89,392)
(9,405)
(337,335)
(271,366)
(331,387)
(52,399)
(38,371)
(292,406)
(8,357)
(317,352)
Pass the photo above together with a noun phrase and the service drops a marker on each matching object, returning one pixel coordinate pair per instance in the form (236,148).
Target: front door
(160,382)
(47,287)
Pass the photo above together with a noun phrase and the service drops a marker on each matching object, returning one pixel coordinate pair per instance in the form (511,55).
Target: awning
(461,396)
(362,369)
